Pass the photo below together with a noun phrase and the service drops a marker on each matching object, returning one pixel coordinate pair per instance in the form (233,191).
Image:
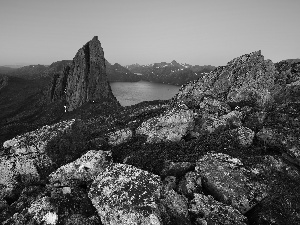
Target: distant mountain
(6,69)
(172,73)
(117,72)
(291,60)
(28,72)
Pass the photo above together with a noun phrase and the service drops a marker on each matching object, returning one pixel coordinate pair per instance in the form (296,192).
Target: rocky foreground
(224,150)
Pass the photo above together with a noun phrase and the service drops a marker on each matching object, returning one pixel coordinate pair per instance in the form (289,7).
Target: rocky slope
(224,150)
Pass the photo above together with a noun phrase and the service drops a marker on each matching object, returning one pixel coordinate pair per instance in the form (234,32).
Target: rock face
(85,80)
(246,80)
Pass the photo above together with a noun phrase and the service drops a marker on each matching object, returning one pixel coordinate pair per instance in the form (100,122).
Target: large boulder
(119,136)
(246,80)
(85,169)
(282,140)
(123,194)
(176,207)
(26,161)
(171,126)
(226,179)
(209,211)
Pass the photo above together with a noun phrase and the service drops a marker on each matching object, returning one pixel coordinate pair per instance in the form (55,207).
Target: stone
(225,178)
(20,170)
(85,169)
(210,124)
(3,204)
(283,140)
(169,183)
(119,136)
(246,80)
(190,184)
(87,80)
(43,211)
(124,194)
(176,168)
(233,119)
(213,106)
(255,120)
(171,126)
(243,135)
(209,211)
(177,207)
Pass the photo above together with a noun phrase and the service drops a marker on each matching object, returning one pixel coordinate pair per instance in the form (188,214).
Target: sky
(198,32)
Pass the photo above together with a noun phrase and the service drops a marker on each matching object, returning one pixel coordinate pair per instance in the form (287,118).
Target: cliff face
(85,80)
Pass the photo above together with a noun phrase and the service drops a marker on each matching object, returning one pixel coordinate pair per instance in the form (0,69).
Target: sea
(131,93)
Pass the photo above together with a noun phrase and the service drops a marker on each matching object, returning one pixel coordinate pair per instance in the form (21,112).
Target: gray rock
(191,183)
(283,140)
(176,168)
(177,207)
(169,183)
(209,211)
(227,181)
(123,194)
(85,169)
(171,126)
(119,136)
(243,135)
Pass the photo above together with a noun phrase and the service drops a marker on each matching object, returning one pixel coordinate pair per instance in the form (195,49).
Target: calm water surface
(130,93)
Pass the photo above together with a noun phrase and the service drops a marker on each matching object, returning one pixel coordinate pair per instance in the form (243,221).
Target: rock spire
(85,80)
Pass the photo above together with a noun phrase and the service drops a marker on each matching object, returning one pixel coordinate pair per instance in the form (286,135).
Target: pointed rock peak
(86,79)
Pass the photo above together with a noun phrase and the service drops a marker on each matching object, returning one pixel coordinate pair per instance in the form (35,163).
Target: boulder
(119,136)
(225,178)
(123,194)
(209,211)
(176,206)
(210,105)
(171,126)
(176,168)
(43,211)
(85,169)
(243,135)
(169,183)
(190,184)
(284,141)
(212,123)
(21,170)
